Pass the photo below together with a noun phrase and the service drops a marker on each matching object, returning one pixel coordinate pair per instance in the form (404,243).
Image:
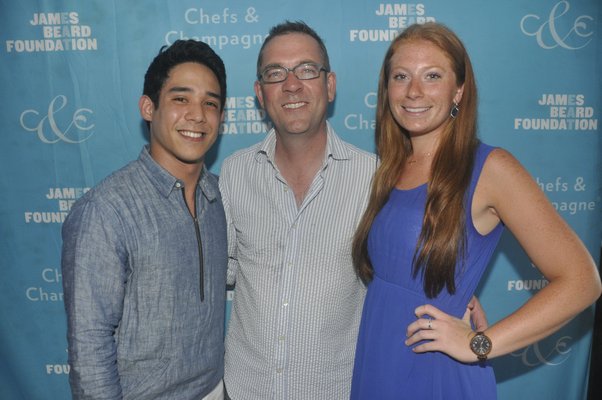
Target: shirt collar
(166,183)
(335,147)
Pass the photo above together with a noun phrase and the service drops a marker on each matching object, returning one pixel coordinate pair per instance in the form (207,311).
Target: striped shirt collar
(335,147)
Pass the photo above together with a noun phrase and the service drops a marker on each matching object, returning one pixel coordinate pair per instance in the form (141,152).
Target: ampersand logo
(78,128)
(535,355)
(548,33)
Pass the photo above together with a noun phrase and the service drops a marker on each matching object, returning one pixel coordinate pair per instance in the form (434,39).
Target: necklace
(415,160)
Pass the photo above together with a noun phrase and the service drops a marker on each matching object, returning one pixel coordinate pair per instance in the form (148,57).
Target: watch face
(480,344)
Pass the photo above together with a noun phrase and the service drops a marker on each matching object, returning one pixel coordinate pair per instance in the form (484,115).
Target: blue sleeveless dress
(385,368)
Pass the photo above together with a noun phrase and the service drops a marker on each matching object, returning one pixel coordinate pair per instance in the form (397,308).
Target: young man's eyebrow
(186,89)
(177,89)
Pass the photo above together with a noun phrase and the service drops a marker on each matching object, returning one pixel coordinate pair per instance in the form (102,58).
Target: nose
(414,88)
(291,83)
(195,113)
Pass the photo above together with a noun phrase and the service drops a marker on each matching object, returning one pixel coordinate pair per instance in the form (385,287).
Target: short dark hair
(287,27)
(182,51)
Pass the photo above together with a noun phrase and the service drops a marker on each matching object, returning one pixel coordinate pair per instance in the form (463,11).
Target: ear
(331,85)
(259,93)
(146,106)
(459,93)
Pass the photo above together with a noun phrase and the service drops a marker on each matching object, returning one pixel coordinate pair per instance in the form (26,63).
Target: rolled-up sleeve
(94,268)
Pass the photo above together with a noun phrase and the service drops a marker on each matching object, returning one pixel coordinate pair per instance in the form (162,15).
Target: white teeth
(191,134)
(294,105)
(416,110)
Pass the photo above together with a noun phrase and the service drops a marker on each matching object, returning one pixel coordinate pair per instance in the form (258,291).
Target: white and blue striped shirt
(297,302)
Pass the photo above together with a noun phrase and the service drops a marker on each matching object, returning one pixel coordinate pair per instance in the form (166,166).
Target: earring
(454,110)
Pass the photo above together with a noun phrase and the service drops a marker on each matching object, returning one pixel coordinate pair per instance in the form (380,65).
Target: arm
(231,229)
(93,268)
(507,192)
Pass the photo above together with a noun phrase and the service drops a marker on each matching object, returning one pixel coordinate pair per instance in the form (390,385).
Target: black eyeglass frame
(319,67)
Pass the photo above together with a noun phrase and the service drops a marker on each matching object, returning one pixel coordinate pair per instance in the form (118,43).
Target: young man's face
(295,106)
(186,122)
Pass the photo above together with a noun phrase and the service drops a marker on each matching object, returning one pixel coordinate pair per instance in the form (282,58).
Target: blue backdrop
(71,73)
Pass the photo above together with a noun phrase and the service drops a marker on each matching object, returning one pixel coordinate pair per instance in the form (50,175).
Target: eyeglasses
(278,73)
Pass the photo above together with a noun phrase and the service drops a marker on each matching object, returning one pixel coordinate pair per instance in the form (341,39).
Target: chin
(192,158)
(298,128)
(195,161)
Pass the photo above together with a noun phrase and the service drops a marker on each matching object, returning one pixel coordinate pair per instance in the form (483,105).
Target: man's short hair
(182,51)
(287,27)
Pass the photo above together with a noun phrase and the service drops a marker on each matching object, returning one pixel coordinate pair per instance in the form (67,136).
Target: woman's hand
(443,333)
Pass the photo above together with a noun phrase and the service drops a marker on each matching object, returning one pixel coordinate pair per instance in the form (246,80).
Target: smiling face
(422,87)
(186,122)
(295,106)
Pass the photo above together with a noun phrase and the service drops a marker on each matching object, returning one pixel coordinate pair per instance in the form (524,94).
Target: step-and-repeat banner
(71,74)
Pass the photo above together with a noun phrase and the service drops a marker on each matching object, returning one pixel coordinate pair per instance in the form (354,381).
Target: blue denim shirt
(131,264)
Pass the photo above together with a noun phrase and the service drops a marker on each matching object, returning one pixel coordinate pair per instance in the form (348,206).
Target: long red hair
(442,239)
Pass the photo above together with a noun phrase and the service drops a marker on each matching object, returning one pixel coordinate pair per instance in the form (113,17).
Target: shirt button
(281,338)
(178,185)
(285,189)
(285,304)
(279,370)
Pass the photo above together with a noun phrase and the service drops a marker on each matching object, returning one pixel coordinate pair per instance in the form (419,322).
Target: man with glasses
(292,203)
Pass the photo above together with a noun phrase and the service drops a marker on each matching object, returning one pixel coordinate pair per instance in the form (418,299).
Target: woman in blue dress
(440,200)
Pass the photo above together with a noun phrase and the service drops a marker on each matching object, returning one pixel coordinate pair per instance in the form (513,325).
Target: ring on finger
(430,325)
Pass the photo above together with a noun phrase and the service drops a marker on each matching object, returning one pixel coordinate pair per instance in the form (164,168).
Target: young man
(293,202)
(144,252)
